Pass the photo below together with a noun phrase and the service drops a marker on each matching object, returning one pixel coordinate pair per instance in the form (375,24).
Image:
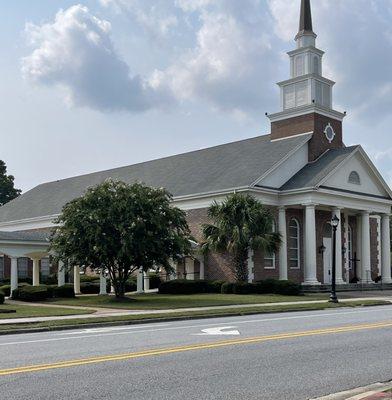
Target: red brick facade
(312,122)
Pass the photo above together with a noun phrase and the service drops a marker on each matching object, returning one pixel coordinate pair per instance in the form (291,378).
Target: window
(1,268)
(294,244)
(45,267)
(22,267)
(269,259)
(354,178)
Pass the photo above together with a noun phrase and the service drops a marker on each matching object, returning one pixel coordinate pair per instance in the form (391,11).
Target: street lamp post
(334,223)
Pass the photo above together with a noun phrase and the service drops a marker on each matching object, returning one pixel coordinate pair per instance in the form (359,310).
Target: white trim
(293,136)
(305,77)
(304,110)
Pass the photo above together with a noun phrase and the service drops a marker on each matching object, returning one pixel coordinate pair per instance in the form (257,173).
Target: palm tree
(240,223)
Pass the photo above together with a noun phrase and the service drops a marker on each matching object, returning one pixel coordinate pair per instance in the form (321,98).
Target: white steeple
(306,85)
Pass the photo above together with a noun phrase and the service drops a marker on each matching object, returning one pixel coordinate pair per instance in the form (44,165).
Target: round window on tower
(329,133)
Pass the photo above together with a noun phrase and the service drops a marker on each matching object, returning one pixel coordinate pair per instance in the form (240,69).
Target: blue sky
(92,85)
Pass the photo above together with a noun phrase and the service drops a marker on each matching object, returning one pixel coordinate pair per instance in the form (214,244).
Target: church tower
(306,98)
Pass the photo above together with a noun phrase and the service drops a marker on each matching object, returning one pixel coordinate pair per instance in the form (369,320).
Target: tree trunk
(241,265)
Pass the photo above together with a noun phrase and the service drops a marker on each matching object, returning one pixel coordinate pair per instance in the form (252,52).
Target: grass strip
(134,319)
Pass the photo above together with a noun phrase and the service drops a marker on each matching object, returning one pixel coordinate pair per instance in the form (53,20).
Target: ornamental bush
(6,289)
(267,286)
(183,286)
(155,280)
(31,293)
(2,297)
(89,288)
(65,291)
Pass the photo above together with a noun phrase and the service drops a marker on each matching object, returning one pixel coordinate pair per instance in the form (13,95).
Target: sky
(96,84)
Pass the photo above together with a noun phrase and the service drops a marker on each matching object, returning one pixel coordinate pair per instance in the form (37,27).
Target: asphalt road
(276,356)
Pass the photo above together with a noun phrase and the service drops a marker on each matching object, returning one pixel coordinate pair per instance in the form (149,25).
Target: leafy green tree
(121,228)
(239,224)
(7,189)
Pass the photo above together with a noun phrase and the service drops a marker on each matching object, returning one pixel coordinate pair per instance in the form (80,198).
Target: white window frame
(271,256)
(298,248)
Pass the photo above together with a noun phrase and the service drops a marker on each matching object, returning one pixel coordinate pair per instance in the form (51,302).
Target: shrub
(89,288)
(288,288)
(31,293)
(227,288)
(65,291)
(89,278)
(49,280)
(130,284)
(2,296)
(214,286)
(6,289)
(155,280)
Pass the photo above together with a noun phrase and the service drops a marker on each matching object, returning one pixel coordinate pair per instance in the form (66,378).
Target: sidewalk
(110,312)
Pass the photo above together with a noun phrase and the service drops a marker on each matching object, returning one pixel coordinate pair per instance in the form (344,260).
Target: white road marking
(218,331)
(131,329)
(103,330)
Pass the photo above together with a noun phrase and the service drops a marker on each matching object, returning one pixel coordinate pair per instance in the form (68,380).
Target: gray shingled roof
(217,168)
(26,236)
(313,173)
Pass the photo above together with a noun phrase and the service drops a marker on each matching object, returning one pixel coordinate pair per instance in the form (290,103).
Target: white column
(339,269)
(60,274)
(385,249)
(346,255)
(35,271)
(14,274)
(310,246)
(202,267)
(76,279)
(102,283)
(139,281)
(251,266)
(146,281)
(365,261)
(283,275)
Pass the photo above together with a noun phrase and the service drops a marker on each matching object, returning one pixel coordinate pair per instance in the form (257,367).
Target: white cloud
(76,52)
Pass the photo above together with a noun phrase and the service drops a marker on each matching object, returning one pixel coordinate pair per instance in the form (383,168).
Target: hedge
(155,280)
(2,296)
(65,291)
(89,278)
(268,286)
(182,286)
(32,293)
(6,289)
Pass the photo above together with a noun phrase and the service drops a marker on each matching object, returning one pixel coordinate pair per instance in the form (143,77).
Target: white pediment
(370,181)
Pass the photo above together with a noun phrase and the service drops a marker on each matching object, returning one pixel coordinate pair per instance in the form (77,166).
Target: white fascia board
(305,78)
(45,221)
(331,199)
(306,49)
(281,161)
(293,136)
(24,243)
(308,109)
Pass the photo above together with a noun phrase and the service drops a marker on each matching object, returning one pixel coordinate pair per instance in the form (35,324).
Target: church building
(302,171)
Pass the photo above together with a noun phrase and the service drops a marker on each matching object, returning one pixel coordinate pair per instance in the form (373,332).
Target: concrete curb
(359,393)
(150,321)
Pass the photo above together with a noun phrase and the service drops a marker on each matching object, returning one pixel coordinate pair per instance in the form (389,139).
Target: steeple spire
(305,21)
(305,24)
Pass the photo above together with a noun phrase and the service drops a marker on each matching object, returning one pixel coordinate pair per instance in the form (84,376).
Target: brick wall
(312,122)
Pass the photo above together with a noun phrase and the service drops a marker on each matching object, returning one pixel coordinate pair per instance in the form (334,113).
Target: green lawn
(159,301)
(130,319)
(23,311)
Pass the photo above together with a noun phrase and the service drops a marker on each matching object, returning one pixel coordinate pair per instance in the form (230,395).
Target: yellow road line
(199,346)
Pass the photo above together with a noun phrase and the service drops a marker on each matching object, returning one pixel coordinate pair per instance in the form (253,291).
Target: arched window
(354,178)
(294,244)
(270,258)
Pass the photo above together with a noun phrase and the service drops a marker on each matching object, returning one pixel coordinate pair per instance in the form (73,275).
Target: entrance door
(327,242)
